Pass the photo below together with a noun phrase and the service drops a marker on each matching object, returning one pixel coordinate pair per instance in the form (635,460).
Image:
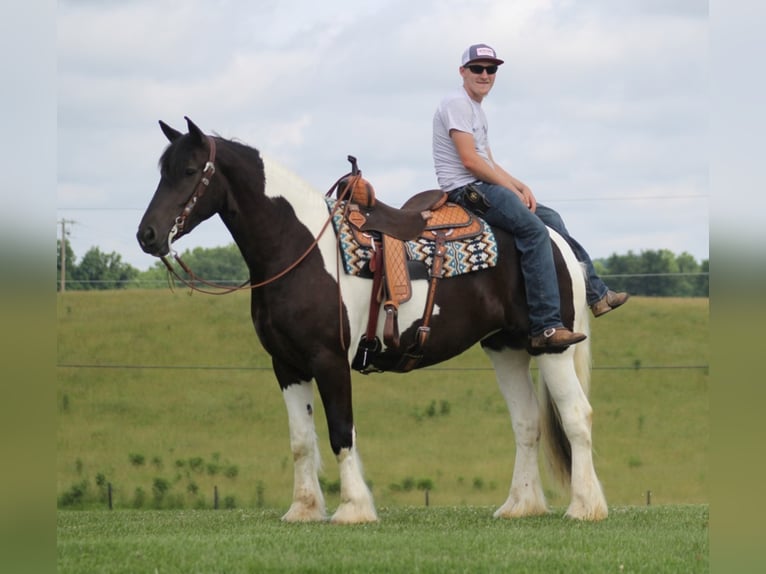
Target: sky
(601,107)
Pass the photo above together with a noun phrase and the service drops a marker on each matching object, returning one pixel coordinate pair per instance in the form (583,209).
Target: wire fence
(612,279)
(636,366)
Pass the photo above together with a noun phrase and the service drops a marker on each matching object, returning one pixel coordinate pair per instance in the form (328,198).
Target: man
(467,171)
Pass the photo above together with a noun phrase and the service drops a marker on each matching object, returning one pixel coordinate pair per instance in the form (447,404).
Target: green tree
(687,283)
(625,269)
(703,281)
(218,263)
(659,265)
(98,270)
(657,273)
(223,265)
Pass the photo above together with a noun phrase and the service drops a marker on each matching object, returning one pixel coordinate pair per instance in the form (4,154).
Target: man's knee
(550,218)
(532,227)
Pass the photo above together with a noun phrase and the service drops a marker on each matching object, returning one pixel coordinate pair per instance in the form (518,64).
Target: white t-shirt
(457,112)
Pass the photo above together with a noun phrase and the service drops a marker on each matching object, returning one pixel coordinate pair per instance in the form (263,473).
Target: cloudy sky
(601,106)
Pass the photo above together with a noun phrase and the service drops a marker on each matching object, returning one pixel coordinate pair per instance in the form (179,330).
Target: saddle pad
(463,256)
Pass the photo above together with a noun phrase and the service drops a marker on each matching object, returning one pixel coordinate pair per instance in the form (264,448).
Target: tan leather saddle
(385,229)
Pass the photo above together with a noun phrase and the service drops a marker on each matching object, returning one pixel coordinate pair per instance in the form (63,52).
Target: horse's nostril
(146,235)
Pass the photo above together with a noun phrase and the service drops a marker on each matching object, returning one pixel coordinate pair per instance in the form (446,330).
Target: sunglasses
(477,69)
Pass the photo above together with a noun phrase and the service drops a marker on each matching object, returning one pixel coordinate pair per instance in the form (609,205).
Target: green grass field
(439,540)
(167,397)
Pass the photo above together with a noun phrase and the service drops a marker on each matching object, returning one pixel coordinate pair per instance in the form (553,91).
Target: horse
(310,316)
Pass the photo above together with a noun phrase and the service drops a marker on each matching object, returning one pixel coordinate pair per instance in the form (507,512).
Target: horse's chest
(287,325)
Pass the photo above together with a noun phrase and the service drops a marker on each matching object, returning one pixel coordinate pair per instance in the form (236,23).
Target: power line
(637,198)
(100,208)
(666,274)
(547,200)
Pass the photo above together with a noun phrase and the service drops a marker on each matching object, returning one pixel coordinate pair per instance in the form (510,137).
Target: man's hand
(528,198)
(522,191)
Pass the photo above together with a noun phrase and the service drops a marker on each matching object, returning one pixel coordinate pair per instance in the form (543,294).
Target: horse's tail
(555,442)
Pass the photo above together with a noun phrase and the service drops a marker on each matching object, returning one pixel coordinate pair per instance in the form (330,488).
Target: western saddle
(384,229)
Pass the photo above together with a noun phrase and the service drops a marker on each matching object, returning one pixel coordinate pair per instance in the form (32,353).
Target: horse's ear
(169,132)
(194,130)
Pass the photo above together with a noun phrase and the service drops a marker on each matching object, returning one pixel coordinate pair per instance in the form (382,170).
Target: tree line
(655,273)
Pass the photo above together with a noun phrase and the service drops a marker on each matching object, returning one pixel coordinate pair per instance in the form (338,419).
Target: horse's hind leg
(558,374)
(308,501)
(525,497)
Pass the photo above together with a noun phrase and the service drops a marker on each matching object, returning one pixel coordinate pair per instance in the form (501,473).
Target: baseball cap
(480,52)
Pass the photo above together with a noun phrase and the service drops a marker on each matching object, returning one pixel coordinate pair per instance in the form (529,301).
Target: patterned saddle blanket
(465,254)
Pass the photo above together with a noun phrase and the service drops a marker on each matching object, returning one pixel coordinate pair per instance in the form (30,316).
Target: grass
(440,540)
(168,397)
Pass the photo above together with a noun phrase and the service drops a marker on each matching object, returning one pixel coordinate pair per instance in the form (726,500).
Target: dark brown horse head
(187,192)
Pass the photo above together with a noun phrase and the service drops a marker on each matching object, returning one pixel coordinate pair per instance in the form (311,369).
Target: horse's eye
(191,170)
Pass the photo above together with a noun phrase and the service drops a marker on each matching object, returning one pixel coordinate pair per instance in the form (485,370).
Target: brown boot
(608,302)
(554,339)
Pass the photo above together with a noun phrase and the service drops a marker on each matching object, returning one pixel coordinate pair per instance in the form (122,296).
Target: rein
(199,191)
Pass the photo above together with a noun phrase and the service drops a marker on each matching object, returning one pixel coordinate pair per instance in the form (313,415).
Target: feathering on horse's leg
(557,372)
(356,503)
(525,497)
(308,502)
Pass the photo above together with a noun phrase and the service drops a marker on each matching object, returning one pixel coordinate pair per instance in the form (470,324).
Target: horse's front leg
(356,503)
(308,502)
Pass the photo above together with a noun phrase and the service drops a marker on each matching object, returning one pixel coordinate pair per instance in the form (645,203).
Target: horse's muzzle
(151,242)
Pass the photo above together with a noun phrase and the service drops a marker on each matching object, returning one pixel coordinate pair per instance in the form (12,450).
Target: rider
(469,174)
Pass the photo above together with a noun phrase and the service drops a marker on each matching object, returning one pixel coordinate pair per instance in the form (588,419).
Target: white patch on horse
(309,205)
(308,501)
(311,210)
(576,274)
(356,504)
(566,378)
(525,497)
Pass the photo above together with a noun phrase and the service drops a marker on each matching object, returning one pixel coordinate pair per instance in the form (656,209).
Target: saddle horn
(354,167)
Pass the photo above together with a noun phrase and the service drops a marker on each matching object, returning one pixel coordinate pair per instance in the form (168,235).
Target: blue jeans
(595,288)
(507,212)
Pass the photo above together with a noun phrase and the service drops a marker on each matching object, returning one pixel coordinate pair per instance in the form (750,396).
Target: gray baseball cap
(480,52)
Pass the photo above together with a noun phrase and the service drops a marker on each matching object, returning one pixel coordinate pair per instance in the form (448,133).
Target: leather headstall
(202,185)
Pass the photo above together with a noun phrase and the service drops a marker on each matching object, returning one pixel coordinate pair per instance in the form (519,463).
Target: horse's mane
(245,163)
(248,155)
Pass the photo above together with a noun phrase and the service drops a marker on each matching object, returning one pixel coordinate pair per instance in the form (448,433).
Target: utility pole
(63,252)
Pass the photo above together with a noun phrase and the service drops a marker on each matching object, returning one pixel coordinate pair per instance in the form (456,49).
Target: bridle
(199,191)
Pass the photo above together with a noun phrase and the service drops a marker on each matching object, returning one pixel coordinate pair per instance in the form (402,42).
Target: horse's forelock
(172,162)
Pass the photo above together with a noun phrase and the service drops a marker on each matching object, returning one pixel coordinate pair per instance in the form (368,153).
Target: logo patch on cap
(485,51)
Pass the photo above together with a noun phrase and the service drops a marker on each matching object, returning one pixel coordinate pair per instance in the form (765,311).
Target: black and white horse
(312,317)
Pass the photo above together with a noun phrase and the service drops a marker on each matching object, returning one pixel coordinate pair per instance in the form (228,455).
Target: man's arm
(473,162)
(527,196)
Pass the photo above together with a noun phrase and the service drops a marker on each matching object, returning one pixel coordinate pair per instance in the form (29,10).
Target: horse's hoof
(518,510)
(594,514)
(349,513)
(302,513)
